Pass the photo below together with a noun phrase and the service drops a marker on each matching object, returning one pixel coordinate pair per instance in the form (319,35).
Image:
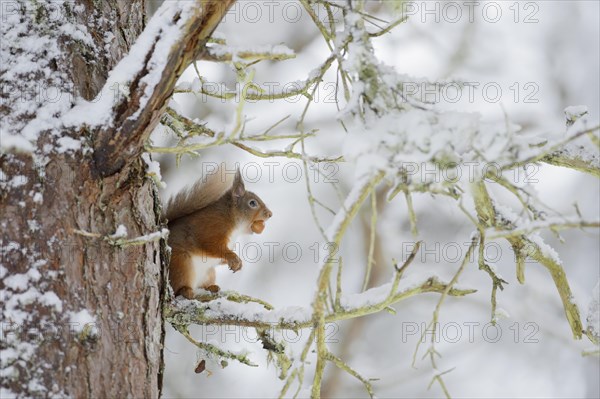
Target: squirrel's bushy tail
(203,192)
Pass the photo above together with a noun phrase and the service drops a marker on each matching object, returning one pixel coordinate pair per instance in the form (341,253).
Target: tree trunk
(81,311)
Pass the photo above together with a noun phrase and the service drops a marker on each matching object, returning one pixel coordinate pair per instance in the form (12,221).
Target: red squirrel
(204,220)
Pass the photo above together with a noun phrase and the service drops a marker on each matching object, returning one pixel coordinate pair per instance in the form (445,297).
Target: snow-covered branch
(175,36)
(229,309)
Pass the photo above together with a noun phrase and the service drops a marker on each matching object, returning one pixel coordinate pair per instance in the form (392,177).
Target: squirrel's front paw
(235,263)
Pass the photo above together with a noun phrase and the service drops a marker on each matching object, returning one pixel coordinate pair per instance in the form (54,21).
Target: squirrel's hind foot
(187,292)
(213,288)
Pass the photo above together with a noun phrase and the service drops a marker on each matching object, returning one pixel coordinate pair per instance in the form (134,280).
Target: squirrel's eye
(252,203)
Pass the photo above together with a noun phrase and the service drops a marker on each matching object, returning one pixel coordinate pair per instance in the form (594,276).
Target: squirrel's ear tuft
(238,189)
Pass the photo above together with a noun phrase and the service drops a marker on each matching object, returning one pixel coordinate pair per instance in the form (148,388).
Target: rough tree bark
(81,312)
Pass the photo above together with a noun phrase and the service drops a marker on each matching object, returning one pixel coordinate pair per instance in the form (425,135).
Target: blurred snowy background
(533,59)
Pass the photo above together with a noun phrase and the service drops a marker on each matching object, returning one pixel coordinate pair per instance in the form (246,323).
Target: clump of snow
(33,225)
(506,216)
(195,86)
(578,124)
(216,35)
(153,170)
(545,249)
(121,232)
(66,144)
(593,314)
(77,32)
(501,313)
(18,181)
(83,321)
(38,198)
(33,274)
(378,294)
(588,155)
(50,299)
(17,282)
(18,143)
(575,111)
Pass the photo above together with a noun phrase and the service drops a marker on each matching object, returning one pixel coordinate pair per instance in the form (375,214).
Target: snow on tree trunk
(81,293)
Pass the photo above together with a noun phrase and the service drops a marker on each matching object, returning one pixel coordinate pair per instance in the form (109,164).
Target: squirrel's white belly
(202,265)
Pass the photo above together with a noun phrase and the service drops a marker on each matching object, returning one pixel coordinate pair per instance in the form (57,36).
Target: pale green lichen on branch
(487,215)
